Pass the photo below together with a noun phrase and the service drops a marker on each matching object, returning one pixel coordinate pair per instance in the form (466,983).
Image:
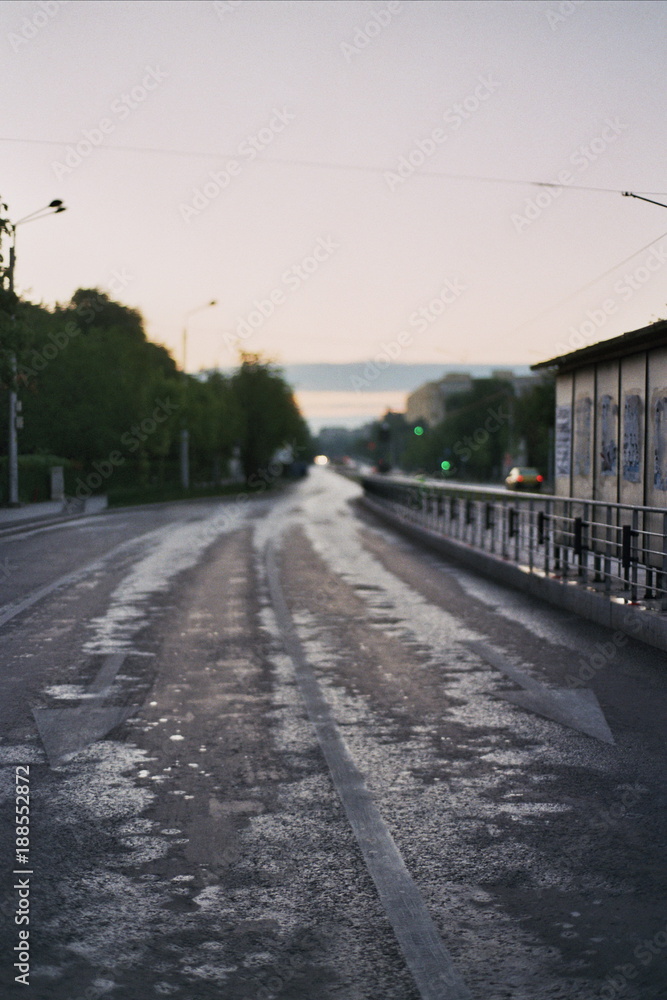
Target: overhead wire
(322,165)
(328,165)
(583,288)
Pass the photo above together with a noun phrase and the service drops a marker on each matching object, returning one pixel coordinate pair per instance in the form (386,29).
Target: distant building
(611,419)
(520,383)
(428,403)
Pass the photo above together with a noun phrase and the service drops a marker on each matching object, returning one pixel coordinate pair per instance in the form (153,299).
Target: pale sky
(346,179)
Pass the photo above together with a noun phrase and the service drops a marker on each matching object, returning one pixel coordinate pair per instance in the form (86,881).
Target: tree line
(102,400)
(484,430)
(487,429)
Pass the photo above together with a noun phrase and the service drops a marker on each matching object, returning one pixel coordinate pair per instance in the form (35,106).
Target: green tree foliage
(12,333)
(268,415)
(91,376)
(483,428)
(534,419)
(474,436)
(213,420)
(380,443)
(92,385)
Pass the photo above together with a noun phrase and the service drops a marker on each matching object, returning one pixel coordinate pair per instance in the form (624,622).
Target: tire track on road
(423,949)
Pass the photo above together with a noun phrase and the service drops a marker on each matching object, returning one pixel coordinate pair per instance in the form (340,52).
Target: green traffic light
(445,466)
(419,431)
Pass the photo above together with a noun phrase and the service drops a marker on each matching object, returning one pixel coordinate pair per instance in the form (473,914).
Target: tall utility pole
(7,281)
(12,440)
(185,434)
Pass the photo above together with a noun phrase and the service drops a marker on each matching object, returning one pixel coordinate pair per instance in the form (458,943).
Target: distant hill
(397,377)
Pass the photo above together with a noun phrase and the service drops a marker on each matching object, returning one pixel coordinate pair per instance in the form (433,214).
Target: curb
(43,522)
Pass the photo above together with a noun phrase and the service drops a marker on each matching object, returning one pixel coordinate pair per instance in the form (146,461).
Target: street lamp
(7,279)
(185,434)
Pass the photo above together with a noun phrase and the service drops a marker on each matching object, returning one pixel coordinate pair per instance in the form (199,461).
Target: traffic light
(445,466)
(418,430)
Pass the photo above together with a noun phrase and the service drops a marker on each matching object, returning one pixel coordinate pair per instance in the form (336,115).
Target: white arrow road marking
(578,709)
(66,731)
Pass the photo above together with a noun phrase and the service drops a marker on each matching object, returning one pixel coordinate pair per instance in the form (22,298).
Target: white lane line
(105,677)
(10,611)
(66,731)
(18,535)
(423,949)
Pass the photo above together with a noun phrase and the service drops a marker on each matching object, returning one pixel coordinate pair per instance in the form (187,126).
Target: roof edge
(646,337)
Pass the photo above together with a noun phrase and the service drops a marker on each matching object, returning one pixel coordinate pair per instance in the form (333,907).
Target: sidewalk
(49,512)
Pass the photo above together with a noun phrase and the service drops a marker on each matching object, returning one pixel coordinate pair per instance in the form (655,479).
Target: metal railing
(617,549)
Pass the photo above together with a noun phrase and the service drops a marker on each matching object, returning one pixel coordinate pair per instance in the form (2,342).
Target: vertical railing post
(531,533)
(556,540)
(547,527)
(596,542)
(607,554)
(634,554)
(567,516)
(489,523)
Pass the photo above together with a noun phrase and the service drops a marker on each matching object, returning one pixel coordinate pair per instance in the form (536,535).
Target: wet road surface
(274,750)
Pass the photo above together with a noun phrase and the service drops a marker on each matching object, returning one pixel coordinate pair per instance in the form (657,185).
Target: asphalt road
(273,750)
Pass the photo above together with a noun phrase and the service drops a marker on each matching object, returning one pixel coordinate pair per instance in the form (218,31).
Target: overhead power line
(583,288)
(320,165)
